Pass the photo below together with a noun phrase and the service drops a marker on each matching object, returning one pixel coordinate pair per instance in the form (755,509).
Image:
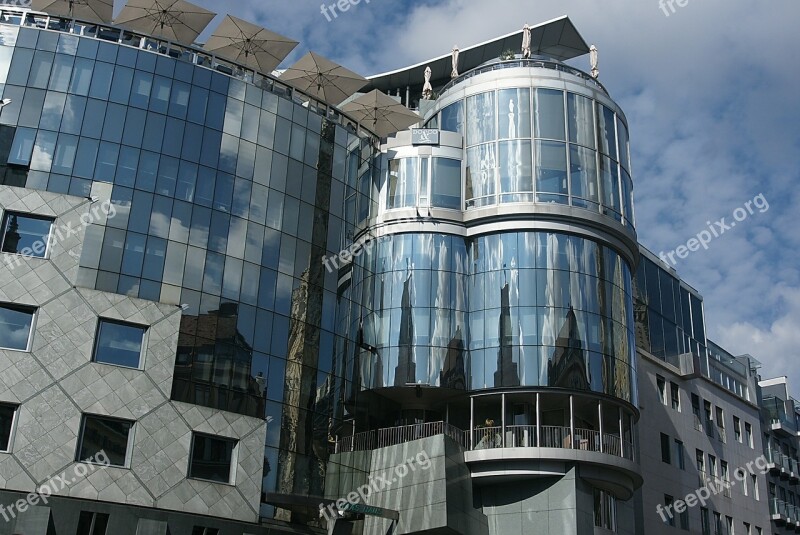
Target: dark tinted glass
(6,421)
(24,234)
(119,344)
(106,435)
(211,458)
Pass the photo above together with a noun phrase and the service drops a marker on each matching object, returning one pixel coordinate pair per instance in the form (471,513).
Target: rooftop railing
(541,63)
(21,17)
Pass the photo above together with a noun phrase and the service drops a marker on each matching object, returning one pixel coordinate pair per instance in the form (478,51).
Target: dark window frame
(25,215)
(26,309)
(12,427)
(233,462)
(128,446)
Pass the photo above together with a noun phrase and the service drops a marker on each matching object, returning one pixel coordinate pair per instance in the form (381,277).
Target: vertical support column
(471,421)
(600,420)
(503,421)
(572,422)
(621,433)
(538,422)
(408,97)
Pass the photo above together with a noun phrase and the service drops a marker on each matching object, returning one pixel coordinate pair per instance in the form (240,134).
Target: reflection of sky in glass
(15,328)
(21,232)
(119,344)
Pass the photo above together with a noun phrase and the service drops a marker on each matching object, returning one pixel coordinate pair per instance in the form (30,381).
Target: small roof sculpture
(427,89)
(456,52)
(593,60)
(526,41)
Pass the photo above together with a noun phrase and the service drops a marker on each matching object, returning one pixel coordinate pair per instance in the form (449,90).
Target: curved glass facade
(227,195)
(542,145)
(500,310)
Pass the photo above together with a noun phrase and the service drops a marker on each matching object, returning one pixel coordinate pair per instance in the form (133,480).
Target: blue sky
(710,93)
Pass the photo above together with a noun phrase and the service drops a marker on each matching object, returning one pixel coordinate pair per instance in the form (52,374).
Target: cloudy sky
(710,93)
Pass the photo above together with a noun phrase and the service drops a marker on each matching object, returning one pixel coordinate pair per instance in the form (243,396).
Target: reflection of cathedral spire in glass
(453,374)
(406,371)
(567,366)
(12,237)
(507,373)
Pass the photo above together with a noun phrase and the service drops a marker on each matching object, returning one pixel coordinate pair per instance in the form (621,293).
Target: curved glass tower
(491,295)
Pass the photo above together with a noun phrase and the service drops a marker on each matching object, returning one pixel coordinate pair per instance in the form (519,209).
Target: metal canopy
(380,113)
(250,45)
(324,79)
(557,38)
(93,10)
(174,20)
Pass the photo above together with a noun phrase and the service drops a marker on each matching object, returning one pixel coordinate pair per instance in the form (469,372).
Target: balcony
(779,511)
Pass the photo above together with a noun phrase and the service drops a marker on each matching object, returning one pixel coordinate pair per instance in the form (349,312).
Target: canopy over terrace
(557,39)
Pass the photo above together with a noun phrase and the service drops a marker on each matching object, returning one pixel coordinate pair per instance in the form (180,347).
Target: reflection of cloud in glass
(13,336)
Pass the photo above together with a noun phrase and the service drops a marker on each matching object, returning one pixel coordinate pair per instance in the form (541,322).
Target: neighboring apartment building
(780,418)
(700,425)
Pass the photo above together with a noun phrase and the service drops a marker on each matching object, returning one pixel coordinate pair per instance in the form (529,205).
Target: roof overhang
(557,38)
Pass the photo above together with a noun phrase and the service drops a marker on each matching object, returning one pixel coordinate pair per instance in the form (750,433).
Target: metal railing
(540,62)
(23,17)
(480,438)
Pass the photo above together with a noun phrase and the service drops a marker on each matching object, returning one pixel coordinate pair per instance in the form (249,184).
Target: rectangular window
(7,416)
(212,458)
(16,324)
(26,234)
(709,418)
(675,396)
(22,147)
(748,433)
(119,344)
(721,424)
(662,389)
(729,522)
(754,481)
(704,521)
(684,519)
(717,524)
(665,453)
(679,461)
(747,530)
(102,436)
(446,183)
(200,530)
(737,429)
(90,523)
(668,503)
(698,420)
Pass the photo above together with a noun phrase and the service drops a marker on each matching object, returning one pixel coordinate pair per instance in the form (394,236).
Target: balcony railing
(482,438)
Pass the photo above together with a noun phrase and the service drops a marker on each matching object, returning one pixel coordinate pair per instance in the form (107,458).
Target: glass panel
(446,183)
(453,117)
(15,327)
(606,134)
(581,120)
(119,344)
(551,169)
(107,436)
(516,174)
(481,169)
(549,114)
(514,113)
(7,413)
(583,173)
(22,147)
(481,118)
(402,186)
(622,133)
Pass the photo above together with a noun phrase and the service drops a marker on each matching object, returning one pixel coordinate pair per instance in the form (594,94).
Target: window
(26,234)
(119,344)
(605,510)
(212,458)
(741,475)
(90,523)
(704,521)
(748,433)
(721,423)
(754,481)
(200,530)
(7,415)
(662,389)
(22,147)
(679,461)
(737,429)
(726,478)
(668,503)
(107,436)
(665,453)
(729,522)
(446,183)
(700,458)
(717,524)
(675,396)
(16,324)
(698,421)
(747,530)
(709,418)
(684,519)
(712,465)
